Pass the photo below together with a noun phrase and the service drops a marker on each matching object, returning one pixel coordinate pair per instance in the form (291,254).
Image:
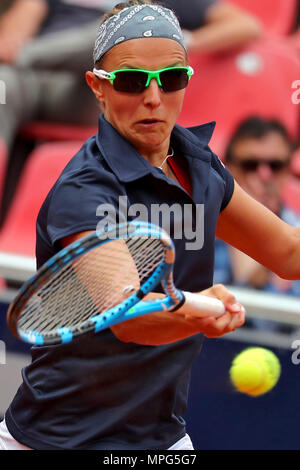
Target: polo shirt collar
(128,165)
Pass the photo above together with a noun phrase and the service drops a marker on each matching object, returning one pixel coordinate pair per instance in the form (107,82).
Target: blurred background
(246,57)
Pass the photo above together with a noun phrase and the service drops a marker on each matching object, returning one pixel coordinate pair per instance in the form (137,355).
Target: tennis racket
(99,281)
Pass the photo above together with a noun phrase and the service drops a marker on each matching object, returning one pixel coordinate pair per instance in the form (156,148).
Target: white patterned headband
(140,21)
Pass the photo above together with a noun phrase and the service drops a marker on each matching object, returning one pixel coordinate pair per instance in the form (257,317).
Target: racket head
(47,308)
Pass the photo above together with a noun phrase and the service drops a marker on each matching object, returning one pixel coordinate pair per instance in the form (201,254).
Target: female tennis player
(126,387)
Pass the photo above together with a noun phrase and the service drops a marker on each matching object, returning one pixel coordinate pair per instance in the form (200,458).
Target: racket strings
(92,284)
(67,297)
(154,253)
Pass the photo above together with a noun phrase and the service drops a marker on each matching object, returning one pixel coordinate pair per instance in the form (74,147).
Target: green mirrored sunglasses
(136,80)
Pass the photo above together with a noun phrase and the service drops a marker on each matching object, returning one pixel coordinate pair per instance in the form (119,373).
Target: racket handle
(201,306)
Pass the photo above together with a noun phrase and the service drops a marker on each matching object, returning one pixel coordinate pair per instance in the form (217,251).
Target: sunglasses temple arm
(103,74)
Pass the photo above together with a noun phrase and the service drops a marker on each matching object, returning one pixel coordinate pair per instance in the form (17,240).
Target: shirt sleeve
(191,14)
(227,177)
(80,201)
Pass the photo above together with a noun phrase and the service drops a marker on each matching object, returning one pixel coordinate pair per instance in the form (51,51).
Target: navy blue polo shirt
(98,392)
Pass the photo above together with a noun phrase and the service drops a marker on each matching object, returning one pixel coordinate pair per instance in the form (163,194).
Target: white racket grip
(198,305)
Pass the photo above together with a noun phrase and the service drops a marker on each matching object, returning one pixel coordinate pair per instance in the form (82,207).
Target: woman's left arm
(252,228)
(226,26)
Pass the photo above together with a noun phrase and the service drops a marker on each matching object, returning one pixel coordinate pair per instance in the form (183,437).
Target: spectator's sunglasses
(136,80)
(251,164)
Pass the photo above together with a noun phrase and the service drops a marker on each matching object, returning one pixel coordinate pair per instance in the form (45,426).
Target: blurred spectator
(294,40)
(47,45)
(295,164)
(213,25)
(45,50)
(258,156)
(4,5)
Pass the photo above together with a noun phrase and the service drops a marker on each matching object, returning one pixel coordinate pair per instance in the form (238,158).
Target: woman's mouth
(149,122)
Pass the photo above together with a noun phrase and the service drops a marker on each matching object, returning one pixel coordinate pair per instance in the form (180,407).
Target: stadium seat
(49,131)
(42,168)
(277,16)
(230,87)
(295,41)
(3,165)
(30,135)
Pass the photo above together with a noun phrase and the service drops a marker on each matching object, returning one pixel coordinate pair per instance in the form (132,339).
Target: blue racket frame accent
(131,307)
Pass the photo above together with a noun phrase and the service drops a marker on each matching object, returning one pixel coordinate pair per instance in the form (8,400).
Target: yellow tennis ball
(255,371)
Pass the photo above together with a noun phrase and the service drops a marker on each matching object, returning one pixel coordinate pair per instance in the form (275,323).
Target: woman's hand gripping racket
(99,281)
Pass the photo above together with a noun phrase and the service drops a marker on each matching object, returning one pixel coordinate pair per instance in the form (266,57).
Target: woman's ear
(96,85)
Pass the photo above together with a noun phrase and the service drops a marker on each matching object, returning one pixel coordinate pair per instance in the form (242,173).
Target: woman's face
(146,119)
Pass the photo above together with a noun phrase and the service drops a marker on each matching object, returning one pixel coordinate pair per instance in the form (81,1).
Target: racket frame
(131,307)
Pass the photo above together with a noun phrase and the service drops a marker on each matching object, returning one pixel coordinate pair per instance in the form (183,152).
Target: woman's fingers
(233,318)
(222,293)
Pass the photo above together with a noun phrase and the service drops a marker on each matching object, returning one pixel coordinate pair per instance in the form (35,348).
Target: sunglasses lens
(130,81)
(174,79)
(134,81)
(277,165)
(252,165)
(249,165)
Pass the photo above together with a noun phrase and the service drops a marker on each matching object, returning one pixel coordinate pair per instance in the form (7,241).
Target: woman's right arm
(167,327)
